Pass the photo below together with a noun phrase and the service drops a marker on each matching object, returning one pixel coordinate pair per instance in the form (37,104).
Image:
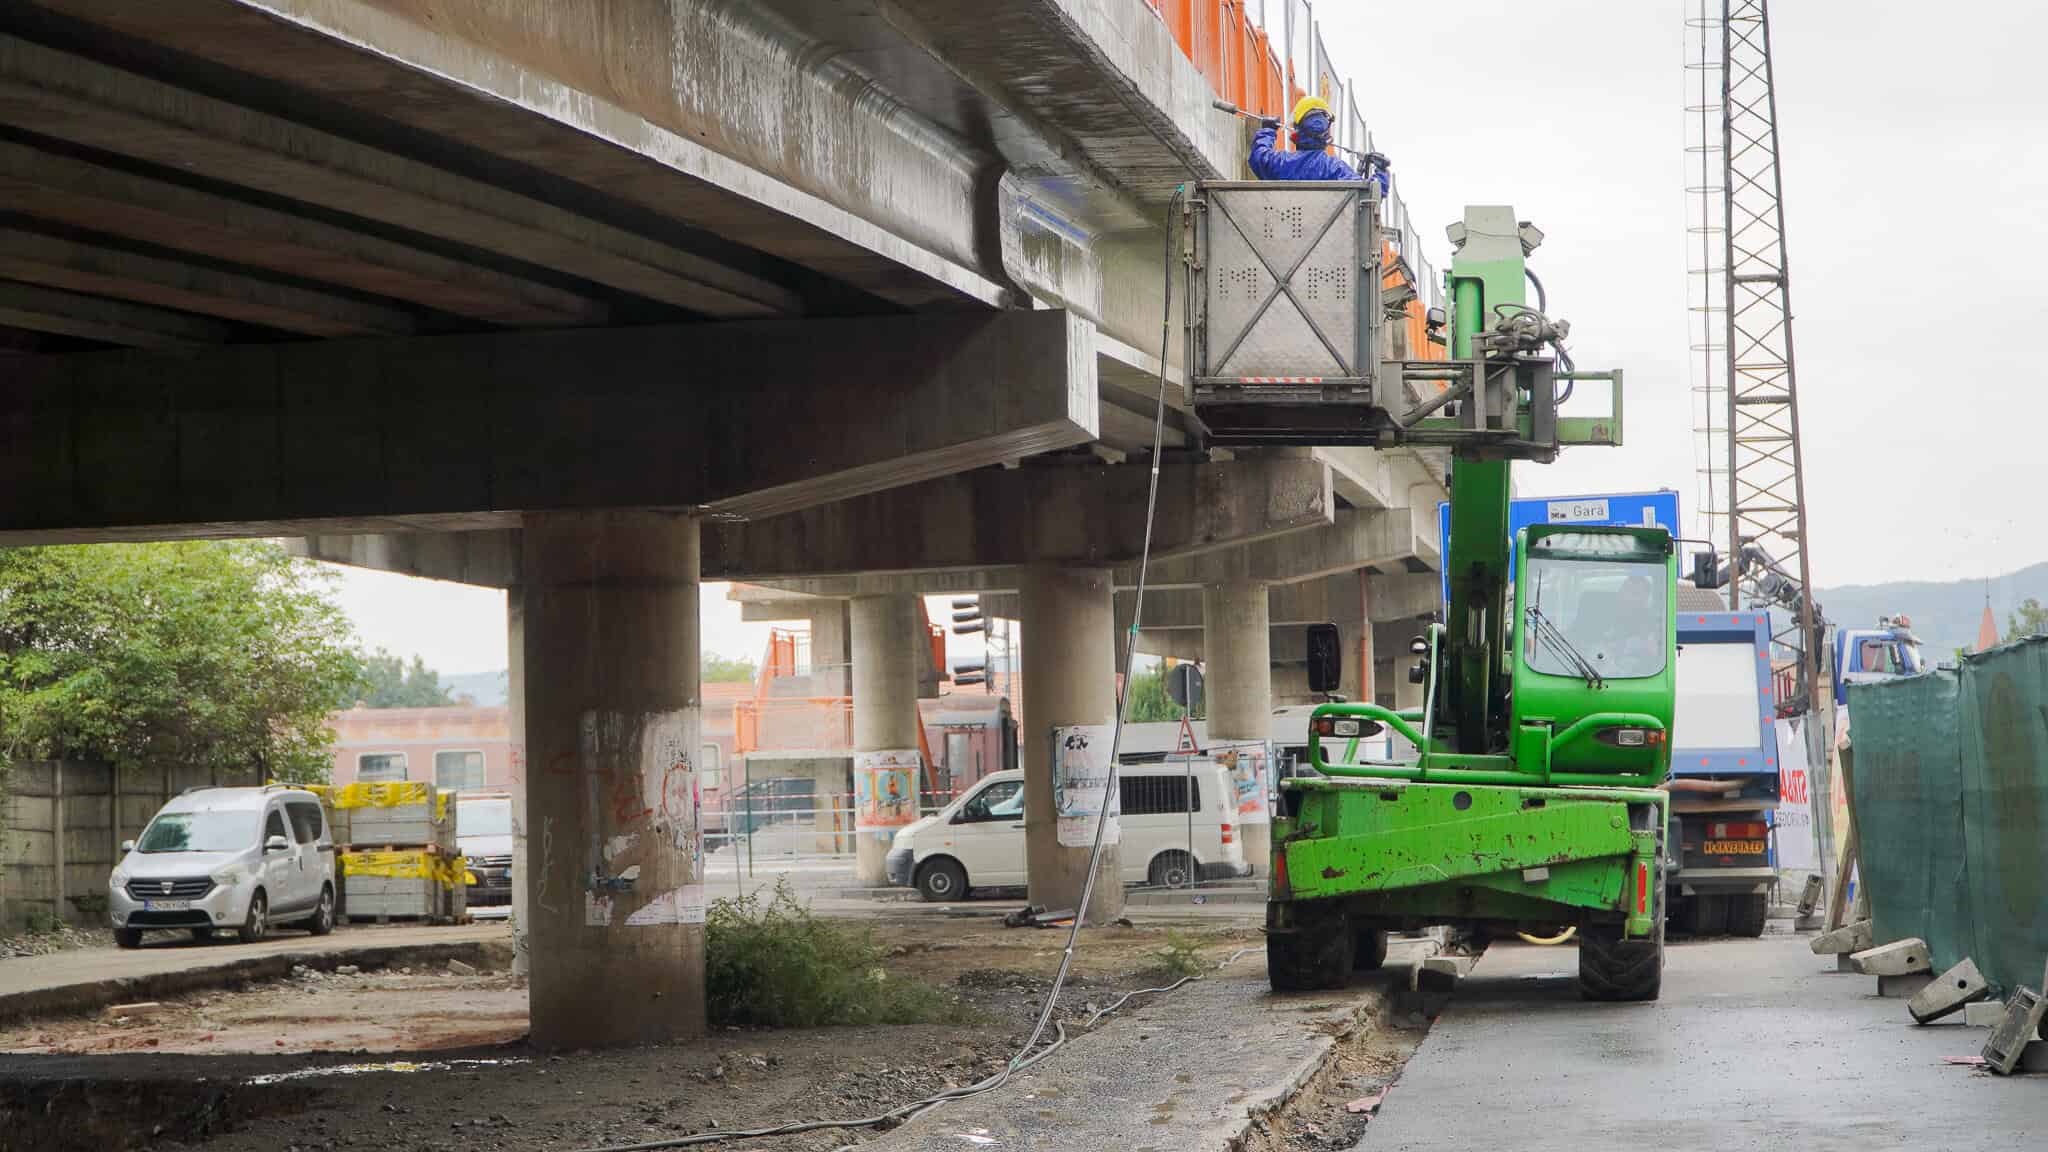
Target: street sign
(1186,742)
(1658,509)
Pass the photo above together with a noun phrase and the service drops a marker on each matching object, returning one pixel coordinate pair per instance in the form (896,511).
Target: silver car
(236,858)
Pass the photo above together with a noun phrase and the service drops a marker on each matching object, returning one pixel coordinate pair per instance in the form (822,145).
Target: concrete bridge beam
(293,439)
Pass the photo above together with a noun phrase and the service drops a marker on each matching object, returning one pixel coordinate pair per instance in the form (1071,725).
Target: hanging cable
(1026,1056)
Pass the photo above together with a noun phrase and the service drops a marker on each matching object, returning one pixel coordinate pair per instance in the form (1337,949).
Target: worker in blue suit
(1311,159)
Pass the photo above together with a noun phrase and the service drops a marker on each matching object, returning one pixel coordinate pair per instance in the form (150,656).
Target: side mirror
(275,844)
(127,846)
(1706,570)
(1325,658)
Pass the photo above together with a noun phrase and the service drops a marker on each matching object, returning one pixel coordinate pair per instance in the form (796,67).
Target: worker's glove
(1272,122)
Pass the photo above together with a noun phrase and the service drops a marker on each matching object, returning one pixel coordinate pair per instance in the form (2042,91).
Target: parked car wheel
(323,920)
(941,880)
(127,937)
(256,925)
(1172,869)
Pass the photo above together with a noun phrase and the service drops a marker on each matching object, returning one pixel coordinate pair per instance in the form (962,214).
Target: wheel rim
(326,909)
(940,882)
(259,917)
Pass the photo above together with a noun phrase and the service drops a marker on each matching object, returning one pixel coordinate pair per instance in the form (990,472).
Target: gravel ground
(73,1094)
(63,938)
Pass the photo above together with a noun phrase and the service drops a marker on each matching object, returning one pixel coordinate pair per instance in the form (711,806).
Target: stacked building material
(400,859)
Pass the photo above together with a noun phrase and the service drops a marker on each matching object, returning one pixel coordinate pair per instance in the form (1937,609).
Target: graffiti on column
(644,853)
(885,790)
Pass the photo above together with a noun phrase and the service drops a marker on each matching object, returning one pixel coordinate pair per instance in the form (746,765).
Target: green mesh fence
(2004,712)
(1908,798)
(1951,803)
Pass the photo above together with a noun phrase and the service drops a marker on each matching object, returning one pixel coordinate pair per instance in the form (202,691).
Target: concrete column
(889,640)
(1069,642)
(1238,640)
(831,650)
(515,720)
(615,899)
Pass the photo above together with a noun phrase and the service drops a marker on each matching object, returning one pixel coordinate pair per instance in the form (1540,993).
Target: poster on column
(1249,763)
(1794,817)
(885,790)
(1080,783)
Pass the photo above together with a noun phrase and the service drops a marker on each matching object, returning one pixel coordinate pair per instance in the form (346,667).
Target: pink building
(463,747)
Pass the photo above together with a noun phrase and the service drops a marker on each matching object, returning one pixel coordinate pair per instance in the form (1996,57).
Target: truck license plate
(166,905)
(1735,848)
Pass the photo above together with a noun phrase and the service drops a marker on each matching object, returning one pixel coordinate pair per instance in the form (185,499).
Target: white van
(977,841)
(237,858)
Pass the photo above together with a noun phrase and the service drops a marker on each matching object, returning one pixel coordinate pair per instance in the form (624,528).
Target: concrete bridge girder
(284,438)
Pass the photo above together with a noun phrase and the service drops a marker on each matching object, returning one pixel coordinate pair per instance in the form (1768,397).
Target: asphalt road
(1755,1044)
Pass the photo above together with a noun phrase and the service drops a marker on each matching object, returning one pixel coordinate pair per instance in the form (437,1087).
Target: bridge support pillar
(611,712)
(1069,634)
(889,640)
(1238,646)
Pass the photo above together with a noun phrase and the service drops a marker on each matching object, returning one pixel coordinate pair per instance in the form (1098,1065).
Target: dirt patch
(1334,1109)
(62,938)
(529,1101)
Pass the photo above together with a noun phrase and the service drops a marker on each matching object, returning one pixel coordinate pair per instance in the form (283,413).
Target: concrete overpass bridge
(596,299)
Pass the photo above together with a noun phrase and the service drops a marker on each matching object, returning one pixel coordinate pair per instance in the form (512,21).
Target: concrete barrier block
(1898,958)
(1983,1013)
(2019,1026)
(1904,987)
(1848,938)
(1949,992)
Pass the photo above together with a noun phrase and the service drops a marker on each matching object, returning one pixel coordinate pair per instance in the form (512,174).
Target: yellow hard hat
(1310,104)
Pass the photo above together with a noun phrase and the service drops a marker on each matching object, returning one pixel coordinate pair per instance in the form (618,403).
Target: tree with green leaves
(392,683)
(225,656)
(716,669)
(1149,701)
(2029,619)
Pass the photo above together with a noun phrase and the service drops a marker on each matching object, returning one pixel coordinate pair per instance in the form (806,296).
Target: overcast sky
(1915,183)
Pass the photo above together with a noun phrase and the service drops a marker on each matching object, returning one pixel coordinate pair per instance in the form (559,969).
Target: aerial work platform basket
(1284,310)
(1286,327)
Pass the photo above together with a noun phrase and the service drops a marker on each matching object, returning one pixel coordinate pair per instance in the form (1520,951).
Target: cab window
(1003,800)
(1606,616)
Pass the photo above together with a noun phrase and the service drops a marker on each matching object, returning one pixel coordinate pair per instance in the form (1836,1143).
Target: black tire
(942,879)
(1317,954)
(127,937)
(256,925)
(323,917)
(1172,868)
(1711,917)
(1369,949)
(1746,914)
(1611,968)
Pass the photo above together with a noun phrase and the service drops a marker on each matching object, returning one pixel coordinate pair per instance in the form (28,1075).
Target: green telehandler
(1531,799)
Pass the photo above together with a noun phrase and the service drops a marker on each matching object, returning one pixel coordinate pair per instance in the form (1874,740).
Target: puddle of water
(386,1066)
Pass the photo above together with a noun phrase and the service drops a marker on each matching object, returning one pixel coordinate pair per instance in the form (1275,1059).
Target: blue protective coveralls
(1311,163)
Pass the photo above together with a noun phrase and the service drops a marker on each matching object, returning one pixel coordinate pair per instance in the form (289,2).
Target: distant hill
(488,689)
(1945,614)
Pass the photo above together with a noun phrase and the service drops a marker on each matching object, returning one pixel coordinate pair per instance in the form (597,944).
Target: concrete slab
(1848,938)
(1949,992)
(1983,1013)
(1754,1045)
(1897,958)
(1905,986)
(1188,1070)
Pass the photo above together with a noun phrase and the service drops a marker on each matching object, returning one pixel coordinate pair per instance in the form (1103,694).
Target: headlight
(229,877)
(118,880)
